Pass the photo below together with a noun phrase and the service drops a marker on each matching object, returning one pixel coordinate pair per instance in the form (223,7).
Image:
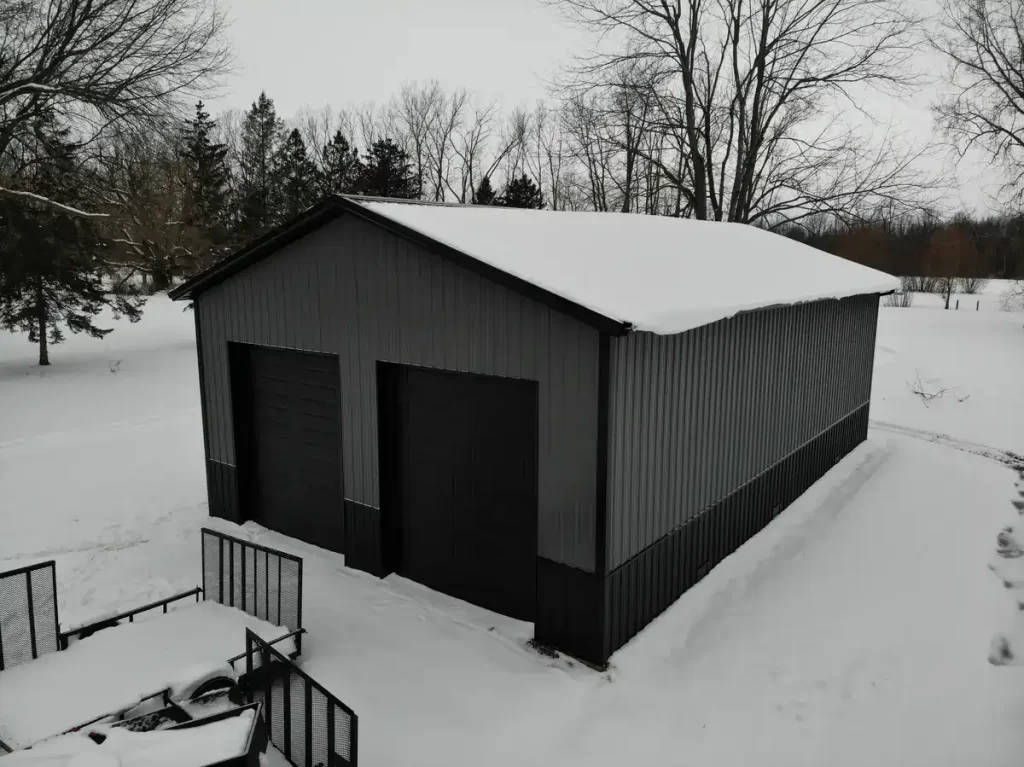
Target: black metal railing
(28,614)
(237,662)
(307,724)
(88,629)
(263,582)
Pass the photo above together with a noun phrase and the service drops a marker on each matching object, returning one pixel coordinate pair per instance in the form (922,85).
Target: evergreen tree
(257,168)
(206,177)
(50,266)
(485,193)
(297,178)
(522,193)
(341,167)
(387,172)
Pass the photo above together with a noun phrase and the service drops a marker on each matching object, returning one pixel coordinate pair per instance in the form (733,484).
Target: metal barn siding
(694,416)
(352,289)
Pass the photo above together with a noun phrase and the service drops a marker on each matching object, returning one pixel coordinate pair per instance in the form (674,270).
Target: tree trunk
(41,325)
(161,280)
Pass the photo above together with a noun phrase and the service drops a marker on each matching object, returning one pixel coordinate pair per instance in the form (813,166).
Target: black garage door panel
(465,471)
(295,450)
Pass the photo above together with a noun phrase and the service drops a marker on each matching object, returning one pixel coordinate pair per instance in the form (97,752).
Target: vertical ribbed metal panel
(649,582)
(693,416)
(354,290)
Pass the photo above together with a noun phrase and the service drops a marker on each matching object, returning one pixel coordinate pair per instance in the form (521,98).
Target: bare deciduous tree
(983,41)
(94,63)
(416,113)
(550,157)
(373,123)
(448,116)
(614,137)
(512,158)
(470,144)
(952,251)
(317,126)
(1012,298)
(747,96)
(972,285)
(142,186)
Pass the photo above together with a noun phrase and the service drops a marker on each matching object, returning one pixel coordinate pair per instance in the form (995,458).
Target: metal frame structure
(284,690)
(271,592)
(244,589)
(10,591)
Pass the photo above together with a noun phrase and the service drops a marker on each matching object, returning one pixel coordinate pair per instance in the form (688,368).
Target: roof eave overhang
(303,224)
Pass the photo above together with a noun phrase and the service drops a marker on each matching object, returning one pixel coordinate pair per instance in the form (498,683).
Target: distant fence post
(978,307)
(958,304)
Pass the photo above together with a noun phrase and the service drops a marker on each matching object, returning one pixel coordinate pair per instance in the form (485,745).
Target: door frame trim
(387,462)
(241,394)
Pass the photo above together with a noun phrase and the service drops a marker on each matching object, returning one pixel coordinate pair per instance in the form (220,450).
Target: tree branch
(19,193)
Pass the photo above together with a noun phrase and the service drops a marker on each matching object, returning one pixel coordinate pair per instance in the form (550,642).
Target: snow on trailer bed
(120,666)
(211,744)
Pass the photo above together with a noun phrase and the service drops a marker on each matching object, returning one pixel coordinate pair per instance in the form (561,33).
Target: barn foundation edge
(222,490)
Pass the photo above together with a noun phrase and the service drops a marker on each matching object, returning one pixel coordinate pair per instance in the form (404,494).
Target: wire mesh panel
(28,613)
(307,724)
(260,581)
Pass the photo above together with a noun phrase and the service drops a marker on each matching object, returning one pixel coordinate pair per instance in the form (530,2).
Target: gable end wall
(359,292)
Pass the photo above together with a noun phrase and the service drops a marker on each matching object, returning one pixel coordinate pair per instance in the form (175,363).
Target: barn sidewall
(713,432)
(366,295)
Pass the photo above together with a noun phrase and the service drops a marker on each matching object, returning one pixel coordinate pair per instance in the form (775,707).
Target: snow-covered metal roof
(664,275)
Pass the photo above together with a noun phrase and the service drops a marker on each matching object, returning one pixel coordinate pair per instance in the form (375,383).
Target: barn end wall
(364,294)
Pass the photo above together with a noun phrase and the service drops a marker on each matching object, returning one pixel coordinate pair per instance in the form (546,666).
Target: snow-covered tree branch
(21,193)
(94,65)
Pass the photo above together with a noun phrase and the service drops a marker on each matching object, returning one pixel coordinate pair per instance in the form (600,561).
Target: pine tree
(485,193)
(297,178)
(50,275)
(387,172)
(261,138)
(522,193)
(341,167)
(207,177)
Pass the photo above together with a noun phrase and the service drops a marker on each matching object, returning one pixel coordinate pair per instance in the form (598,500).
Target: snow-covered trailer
(158,656)
(236,737)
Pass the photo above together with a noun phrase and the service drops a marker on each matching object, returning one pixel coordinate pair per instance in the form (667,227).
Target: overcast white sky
(338,52)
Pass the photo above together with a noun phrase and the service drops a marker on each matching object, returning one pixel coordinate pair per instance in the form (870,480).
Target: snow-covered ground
(968,366)
(853,630)
(990,297)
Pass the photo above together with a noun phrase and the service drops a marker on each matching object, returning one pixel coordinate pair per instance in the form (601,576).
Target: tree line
(228,181)
(926,245)
(113,173)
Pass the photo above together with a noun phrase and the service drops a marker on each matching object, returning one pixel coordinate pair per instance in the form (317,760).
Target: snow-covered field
(853,630)
(968,366)
(990,297)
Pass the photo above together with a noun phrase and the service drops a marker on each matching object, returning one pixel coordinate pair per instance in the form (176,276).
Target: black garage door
(291,411)
(461,455)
